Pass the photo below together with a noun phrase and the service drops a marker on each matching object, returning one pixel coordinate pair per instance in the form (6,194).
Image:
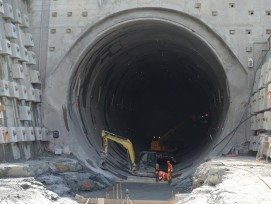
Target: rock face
(69,176)
(184,185)
(82,181)
(59,176)
(228,181)
(209,174)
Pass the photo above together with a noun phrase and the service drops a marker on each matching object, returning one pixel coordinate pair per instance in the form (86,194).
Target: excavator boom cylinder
(126,143)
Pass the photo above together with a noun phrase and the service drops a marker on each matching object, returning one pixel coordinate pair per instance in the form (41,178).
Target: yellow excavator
(148,163)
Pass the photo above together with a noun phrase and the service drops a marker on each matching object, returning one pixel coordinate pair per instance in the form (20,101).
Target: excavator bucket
(102,160)
(102,164)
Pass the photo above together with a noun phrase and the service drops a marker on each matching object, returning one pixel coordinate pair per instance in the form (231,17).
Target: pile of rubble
(69,176)
(49,179)
(231,180)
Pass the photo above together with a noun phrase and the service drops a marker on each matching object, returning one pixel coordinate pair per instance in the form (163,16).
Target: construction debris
(65,180)
(49,178)
(231,180)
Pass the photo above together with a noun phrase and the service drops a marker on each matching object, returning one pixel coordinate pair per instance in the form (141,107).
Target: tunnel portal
(142,78)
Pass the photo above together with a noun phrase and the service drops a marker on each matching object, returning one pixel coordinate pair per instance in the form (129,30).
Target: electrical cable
(251,173)
(232,133)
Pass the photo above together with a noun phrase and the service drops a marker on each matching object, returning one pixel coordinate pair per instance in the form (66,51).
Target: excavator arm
(126,143)
(158,145)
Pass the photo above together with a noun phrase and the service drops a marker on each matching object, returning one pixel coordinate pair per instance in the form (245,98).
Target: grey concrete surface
(236,80)
(71,38)
(137,191)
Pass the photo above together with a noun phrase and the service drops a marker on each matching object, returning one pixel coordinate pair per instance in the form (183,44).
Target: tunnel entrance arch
(143,71)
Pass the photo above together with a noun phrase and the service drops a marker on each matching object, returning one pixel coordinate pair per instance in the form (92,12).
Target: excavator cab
(147,164)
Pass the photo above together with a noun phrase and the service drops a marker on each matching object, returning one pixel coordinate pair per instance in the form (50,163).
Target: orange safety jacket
(169,168)
(161,175)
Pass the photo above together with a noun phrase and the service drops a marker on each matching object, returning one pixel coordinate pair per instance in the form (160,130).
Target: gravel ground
(240,180)
(232,180)
(28,191)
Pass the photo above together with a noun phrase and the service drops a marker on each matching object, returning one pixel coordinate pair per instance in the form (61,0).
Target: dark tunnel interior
(144,78)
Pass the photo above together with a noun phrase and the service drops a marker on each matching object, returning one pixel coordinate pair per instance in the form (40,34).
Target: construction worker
(169,171)
(161,175)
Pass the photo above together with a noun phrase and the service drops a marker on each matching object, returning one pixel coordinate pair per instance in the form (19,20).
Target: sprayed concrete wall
(70,39)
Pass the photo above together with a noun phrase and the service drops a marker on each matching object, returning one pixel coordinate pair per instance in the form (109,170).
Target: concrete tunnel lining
(118,75)
(99,76)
